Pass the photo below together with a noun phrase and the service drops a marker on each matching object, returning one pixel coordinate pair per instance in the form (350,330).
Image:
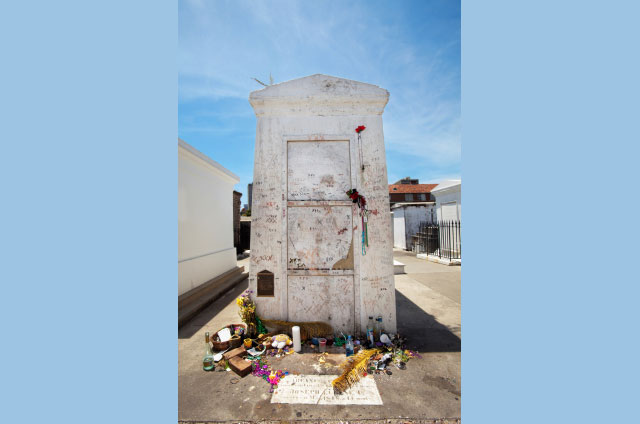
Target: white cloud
(224,44)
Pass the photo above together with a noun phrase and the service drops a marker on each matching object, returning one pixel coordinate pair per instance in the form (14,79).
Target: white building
(448,200)
(205,220)
(407,218)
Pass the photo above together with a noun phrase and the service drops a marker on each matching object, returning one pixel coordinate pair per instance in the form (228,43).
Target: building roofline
(207,160)
(400,204)
(411,188)
(448,185)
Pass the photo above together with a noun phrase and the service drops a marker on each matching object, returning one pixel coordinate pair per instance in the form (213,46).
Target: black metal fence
(441,239)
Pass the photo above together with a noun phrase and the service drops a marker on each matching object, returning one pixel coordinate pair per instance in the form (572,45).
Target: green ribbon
(261,328)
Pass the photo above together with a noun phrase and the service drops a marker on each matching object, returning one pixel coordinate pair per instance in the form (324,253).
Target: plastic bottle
(370,334)
(349,346)
(379,329)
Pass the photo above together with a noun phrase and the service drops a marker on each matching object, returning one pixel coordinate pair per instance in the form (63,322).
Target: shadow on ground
(205,316)
(423,332)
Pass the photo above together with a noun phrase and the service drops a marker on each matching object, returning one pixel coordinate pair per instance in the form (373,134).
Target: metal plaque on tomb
(265,283)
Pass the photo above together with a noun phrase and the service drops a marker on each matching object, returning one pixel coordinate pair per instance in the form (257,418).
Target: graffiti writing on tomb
(318,237)
(326,298)
(318,170)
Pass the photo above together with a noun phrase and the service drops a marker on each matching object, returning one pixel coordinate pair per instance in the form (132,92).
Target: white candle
(297,346)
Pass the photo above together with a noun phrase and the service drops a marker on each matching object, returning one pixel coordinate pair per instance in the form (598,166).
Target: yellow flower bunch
(247,310)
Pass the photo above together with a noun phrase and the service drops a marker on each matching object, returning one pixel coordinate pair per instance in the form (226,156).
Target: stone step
(195,300)
(398,267)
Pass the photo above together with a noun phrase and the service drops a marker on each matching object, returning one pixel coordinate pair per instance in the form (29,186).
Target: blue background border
(549,111)
(89,175)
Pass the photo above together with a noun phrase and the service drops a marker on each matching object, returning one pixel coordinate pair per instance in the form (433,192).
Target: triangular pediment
(320,85)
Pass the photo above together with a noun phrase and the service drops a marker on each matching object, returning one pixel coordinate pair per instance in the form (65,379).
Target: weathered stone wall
(322,108)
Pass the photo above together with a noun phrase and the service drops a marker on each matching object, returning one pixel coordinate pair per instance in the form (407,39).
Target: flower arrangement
(359,130)
(244,301)
(248,314)
(353,369)
(364,213)
(412,354)
(261,369)
(247,311)
(357,198)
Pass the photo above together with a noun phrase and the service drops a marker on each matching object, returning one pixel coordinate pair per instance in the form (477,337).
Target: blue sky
(410,48)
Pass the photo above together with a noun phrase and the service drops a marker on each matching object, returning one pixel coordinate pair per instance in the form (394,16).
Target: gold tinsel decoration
(352,369)
(307,329)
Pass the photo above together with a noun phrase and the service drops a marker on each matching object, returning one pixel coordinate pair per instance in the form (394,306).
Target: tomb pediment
(320,93)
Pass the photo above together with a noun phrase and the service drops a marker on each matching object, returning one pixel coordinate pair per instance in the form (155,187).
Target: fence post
(450,231)
(440,240)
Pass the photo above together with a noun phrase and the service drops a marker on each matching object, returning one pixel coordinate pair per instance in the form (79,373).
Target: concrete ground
(428,312)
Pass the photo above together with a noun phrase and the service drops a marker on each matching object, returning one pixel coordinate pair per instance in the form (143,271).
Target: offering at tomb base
(235,341)
(227,337)
(207,361)
(297,346)
(280,341)
(247,312)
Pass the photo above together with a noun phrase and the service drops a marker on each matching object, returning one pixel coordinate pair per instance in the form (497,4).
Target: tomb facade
(309,261)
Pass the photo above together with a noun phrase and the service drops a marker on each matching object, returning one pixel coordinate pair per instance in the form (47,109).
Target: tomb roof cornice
(319,95)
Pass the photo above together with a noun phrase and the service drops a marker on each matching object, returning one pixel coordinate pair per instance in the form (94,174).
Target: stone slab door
(320,226)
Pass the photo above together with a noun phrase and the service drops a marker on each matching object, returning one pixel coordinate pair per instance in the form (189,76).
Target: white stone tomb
(306,252)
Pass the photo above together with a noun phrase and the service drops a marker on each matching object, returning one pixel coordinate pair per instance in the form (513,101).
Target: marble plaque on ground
(317,390)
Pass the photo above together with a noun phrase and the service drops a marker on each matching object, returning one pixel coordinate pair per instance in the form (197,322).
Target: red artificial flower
(360,128)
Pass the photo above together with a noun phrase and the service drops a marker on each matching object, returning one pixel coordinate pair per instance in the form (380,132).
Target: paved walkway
(428,309)
(443,279)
